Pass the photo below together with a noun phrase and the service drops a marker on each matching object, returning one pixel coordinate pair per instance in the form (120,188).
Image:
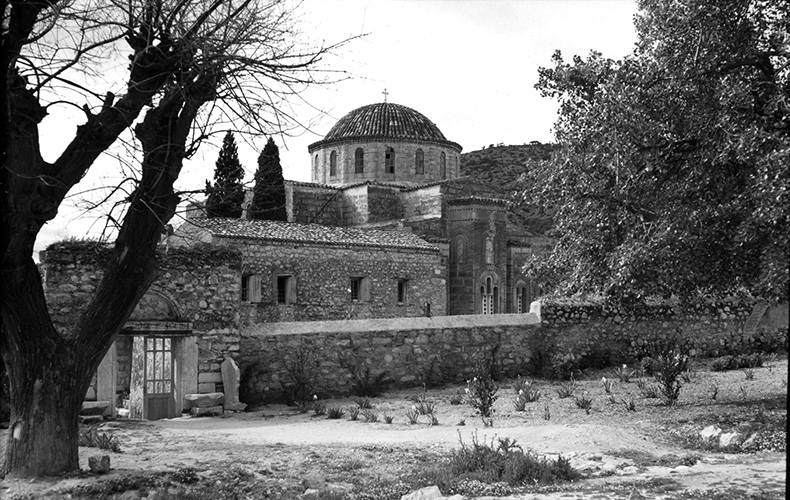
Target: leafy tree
(239,56)
(226,195)
(672,178)
(268,196)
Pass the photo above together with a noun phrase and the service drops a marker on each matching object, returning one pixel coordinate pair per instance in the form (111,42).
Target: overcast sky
(469,66)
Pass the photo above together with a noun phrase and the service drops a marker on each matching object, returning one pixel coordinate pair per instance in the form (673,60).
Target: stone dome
(384,142)
(384,121)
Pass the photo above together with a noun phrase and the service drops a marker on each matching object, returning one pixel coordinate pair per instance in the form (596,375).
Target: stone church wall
(310,204)
(322,275)
(375,168)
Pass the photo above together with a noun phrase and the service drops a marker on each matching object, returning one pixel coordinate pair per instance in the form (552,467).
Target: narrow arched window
(389,161)
(315,164)
(456,172)
(443,166)
(419,162)
(359,161)
(333,163)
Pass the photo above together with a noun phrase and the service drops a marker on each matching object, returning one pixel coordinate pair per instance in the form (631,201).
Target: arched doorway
(152,364)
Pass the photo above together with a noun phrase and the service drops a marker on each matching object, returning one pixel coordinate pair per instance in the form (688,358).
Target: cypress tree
(268,198)
(226,195)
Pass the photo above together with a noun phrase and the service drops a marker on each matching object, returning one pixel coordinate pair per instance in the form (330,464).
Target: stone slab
(211,411)
(214,377)
(95,408)
(203,400)
(234,406)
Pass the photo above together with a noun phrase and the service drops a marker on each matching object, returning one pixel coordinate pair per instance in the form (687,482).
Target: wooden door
(158,391)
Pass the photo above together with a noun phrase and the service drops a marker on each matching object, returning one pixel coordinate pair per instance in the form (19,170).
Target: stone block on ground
(210,411)
(99,464)
(230,380)
(427,493)
(91,419)
(730,439)
(203,400)
(234,406)
(710,432)
(95,408)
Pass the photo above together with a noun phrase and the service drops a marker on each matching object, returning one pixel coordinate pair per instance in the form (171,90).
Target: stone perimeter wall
(412,351)
(713,329)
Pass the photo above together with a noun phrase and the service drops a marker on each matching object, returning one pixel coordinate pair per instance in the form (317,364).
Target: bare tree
(193,65)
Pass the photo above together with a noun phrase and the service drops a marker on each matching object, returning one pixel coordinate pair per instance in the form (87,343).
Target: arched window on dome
(359,161)
(389,161)
(333,164)
(419,162)
(443,166)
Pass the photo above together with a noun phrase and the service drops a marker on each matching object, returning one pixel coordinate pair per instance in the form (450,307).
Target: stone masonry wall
(313,205)
(202,283)
(716,328)
(322,275)
(411,351)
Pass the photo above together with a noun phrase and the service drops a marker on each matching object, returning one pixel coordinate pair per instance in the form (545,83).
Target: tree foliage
(268,198)
(672,176)
(226,195)
(184,68)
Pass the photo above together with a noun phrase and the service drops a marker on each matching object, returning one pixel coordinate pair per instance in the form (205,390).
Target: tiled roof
(383,121)
(311,233)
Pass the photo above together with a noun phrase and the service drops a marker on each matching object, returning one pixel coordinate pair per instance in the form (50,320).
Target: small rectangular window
(356,288)
(403,291)
(250,288)
(286,289)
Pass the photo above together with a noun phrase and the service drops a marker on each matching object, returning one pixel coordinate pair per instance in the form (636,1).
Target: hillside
(502,166)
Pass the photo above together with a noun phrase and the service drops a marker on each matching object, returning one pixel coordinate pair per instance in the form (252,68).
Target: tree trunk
(43,434)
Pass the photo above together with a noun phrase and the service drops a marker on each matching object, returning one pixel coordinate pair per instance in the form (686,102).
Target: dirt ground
(647,453)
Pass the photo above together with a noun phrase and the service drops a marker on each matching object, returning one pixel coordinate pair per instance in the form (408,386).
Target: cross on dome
(385,94)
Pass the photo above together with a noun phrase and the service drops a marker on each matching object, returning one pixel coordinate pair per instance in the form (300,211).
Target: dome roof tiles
(384,121)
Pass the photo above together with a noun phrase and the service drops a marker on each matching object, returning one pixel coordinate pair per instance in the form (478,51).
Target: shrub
(482,390)
(300,385)
(608,385)
(667,370)
(457,398)
(737,362)
(319,407)
(650,391)
(363,403)
(584,402)
(566,389)
(412,416)
(353,412)
(367,385)
(623,374)
(335,412)
(505,461)
(91,437)
(388,419)
(370,416)
(523,398)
